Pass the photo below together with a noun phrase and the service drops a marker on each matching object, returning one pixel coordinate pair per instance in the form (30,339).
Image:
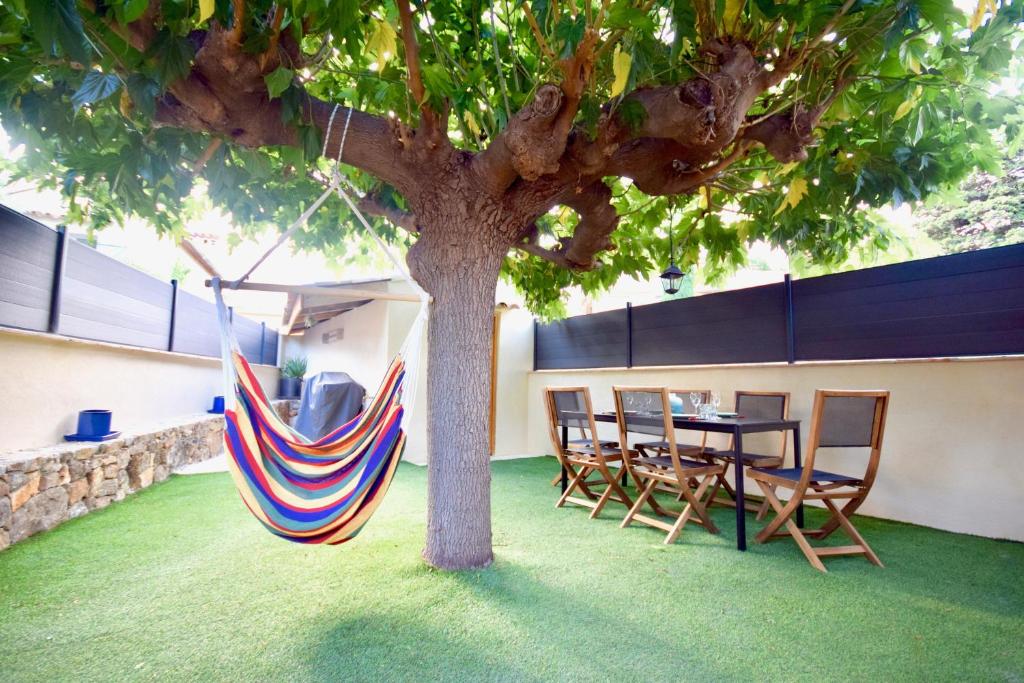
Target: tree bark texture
(462,279)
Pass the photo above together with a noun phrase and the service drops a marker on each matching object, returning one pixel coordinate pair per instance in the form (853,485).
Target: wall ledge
(798,364)
(40,488)
(60,339)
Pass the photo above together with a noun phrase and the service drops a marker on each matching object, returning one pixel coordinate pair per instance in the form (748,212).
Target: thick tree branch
(371,204)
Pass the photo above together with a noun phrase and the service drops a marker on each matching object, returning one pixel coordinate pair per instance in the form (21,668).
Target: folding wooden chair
(840,419)
(570,407)
(773,405)
(649,407)
(661,447)
(568,403)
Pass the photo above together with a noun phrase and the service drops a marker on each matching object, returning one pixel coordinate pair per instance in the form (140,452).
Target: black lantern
(672,277)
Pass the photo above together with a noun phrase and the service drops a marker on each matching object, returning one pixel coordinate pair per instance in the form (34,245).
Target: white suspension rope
(412,344)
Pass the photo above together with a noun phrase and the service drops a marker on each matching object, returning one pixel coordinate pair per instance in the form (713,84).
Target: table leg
(565,446)
(741,503)
(796,463)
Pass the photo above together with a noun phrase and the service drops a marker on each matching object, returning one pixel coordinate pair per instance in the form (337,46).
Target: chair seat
(663,445)
(589,443)
(666,461)
(748,458)
(588,454)
(794,474)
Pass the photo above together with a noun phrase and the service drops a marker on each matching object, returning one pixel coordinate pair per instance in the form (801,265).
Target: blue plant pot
(94,422)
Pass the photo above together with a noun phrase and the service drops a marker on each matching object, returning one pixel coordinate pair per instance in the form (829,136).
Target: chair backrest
(644,410)
(770,405)
(570,407)
(848,419)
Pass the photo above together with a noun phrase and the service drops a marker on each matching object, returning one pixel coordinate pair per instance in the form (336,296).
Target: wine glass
(696,399)
(715,400)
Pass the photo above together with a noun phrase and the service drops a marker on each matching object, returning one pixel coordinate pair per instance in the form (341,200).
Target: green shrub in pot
(292,372)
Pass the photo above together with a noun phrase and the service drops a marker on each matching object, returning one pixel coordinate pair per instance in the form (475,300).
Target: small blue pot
(218,406)
(93,422)
(93,425)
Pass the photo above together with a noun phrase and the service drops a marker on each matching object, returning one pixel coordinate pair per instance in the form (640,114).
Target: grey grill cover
(329,400)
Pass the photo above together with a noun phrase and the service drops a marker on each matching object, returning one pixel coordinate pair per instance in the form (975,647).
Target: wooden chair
(650,407)
(661,447)
(570,407)
(840,419)
(772,405)
(583,439)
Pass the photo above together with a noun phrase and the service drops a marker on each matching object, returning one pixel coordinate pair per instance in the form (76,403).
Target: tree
(549,141)
(988,213)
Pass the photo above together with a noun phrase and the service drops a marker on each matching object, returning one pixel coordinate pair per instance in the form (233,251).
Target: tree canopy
(838,107)
(989,211)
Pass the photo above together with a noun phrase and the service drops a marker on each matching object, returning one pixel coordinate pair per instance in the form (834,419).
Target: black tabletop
(728,425)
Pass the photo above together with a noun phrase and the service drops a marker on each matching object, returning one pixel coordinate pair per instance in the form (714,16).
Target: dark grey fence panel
(598,340)
(106,300)
(248,334)
(270,348)
(742,326)
(959,305)
(196,329)
(27,257)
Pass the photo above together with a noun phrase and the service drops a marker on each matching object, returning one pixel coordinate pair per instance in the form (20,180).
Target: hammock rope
(320,491)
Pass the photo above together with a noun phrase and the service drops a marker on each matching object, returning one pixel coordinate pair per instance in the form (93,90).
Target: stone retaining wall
(43,487)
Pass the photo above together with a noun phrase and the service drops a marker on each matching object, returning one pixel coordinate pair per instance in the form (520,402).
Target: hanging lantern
(671,278)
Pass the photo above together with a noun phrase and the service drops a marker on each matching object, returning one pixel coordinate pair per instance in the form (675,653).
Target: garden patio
(177,582)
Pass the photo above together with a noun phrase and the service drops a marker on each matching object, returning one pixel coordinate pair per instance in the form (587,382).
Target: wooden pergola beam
(313,290)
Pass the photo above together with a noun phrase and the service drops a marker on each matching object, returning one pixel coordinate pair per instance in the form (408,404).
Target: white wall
(46,379)
(373,335)
(953,456)
(361,352)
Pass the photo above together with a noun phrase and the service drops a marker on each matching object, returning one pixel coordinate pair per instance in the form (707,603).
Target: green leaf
(570,31)
(96,86)
(130,10)
(278,81)
(144,92)
(57,23)
(173,57)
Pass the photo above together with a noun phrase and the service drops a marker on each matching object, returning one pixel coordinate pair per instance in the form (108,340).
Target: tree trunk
(461,272)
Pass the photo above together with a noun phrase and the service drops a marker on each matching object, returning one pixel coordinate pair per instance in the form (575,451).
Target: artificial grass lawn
(180,583)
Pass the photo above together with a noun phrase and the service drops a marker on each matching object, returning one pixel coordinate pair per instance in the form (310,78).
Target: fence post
(56,290)
(629,334)
(535,326)
(790,330)
(263,342)
(174,314)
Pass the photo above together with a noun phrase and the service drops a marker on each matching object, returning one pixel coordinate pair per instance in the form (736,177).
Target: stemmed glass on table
(696,399)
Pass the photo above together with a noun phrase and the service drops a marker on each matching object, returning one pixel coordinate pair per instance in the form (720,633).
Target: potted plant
(292,372)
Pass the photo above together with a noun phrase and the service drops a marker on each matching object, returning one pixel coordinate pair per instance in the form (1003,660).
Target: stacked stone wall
(40,488)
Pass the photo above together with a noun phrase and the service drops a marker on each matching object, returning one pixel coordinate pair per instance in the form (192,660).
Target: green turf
(180,583)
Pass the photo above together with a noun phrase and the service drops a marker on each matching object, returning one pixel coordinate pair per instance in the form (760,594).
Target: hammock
(320,491)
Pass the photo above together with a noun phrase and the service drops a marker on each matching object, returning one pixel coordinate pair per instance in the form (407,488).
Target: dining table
(736,425)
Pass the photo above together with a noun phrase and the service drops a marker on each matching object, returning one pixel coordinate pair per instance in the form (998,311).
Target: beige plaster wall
(46,379)
(953,456)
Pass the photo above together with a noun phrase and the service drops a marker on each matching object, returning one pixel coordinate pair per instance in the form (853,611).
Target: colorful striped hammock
(308,491)
(320,491)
